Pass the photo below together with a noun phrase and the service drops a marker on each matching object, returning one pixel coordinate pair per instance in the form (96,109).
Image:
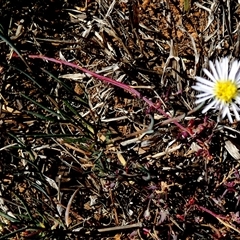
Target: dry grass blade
(228,225)
(110,229)
(67,212)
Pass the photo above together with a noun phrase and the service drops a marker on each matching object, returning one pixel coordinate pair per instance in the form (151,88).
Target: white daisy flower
(222,88)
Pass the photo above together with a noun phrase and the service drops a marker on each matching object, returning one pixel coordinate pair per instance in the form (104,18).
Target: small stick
(110,229)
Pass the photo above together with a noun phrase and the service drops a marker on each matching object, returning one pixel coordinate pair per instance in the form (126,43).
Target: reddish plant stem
(115,83)
(211,213)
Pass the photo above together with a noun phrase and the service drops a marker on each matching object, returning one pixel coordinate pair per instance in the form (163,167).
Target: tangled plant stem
(115,83)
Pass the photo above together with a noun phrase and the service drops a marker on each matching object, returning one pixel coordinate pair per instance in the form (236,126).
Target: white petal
(210,105)
(237,100)
(237,76)
(204,99)
(219,70)
(224,111)
(237,108)
(201,95)
(237,80)
(209,75)
(235,111)
(218,104)
(229,116)
(213,69)
(202,88)
(224,66)
(234,70)
(205,81)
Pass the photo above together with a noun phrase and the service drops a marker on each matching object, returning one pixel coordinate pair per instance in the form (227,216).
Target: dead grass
(82,159)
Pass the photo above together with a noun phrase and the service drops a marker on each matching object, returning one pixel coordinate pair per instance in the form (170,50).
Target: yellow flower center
(225,90)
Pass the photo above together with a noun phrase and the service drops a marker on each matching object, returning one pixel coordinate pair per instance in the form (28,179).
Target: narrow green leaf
(85,124)
(24,205)
(43,107)
(41,135)
(7,236)
(17,139)
(11,219)
(38,115)
(9,42)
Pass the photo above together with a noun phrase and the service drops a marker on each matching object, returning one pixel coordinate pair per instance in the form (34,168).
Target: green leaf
(11,219)
(41,116)
(43,107)
(8,42)
(85,124)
